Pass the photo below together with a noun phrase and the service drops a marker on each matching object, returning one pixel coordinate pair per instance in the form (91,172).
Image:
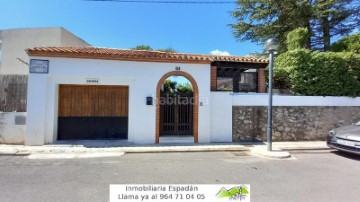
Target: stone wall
(290,123)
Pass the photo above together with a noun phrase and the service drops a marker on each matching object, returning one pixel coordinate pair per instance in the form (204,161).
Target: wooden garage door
(91,112)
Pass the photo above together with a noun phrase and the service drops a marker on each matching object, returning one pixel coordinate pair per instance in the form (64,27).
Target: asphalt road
(309,176)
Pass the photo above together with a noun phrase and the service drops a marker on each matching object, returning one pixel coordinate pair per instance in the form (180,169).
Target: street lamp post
(271,46)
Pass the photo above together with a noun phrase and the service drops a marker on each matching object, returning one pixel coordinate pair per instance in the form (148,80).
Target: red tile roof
(135,55)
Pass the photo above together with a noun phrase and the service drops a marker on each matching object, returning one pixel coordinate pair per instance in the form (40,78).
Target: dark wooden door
(176,114)
(90,112)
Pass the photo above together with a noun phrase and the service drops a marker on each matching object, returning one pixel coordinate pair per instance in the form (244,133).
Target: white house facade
(127,85)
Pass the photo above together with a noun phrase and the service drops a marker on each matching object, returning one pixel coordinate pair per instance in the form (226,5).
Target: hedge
(318,73)
(348,44)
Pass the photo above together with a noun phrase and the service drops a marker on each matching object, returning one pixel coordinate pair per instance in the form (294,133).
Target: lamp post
(271,46)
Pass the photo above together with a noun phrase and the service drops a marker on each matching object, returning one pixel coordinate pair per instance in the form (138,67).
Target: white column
(36,109)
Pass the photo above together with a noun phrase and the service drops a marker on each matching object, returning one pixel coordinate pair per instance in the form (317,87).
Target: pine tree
(333,18)
(258,20)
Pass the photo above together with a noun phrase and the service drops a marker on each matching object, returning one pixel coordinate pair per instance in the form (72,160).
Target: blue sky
(189,28)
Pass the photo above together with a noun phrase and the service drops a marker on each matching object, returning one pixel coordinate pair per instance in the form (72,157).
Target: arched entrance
(195,110)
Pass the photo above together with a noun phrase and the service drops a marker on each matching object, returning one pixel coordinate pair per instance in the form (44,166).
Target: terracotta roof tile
(135,55)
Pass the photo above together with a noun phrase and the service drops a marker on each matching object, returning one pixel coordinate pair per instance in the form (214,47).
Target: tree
(168,50)
(170,86)
(142,47)
(333,18)
(185,88)
(297,38)
(148,48)
(258,20)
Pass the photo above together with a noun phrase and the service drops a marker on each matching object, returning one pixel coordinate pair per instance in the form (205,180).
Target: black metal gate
(176,114)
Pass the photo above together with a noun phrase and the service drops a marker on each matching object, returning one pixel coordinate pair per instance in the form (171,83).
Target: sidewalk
(100,149)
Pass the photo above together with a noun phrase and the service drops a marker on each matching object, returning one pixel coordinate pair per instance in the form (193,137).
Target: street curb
(7,154)
(303,149)
(17,153)
(255,149)
(274,154)
(151,150)
(187,150)
(74,155)
(271,157)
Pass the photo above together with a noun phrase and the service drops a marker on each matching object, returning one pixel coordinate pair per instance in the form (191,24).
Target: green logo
(235,193)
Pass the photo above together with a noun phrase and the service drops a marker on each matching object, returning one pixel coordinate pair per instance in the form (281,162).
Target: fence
(13,92)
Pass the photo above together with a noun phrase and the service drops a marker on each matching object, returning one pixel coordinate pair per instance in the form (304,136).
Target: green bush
(319,73)
(347,44)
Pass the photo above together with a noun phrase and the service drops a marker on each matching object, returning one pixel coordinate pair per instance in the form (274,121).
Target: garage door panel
(94,101)
(92,128)
(121,107)
(84,101)
(93,112)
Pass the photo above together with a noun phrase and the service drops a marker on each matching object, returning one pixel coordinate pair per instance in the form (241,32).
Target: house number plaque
(39,66)
(92,80)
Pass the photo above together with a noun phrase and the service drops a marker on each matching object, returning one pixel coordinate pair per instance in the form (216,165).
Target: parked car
(345,138)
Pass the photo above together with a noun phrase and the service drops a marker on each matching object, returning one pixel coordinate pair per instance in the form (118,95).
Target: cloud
(218,52)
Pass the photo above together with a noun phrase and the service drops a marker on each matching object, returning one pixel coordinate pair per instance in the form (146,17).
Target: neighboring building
(14,60)
(100,93)
(13,43)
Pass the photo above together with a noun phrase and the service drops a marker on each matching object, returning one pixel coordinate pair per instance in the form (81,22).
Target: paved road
(310,176)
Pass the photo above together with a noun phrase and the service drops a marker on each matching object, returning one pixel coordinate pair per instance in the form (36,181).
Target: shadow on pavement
(346,155)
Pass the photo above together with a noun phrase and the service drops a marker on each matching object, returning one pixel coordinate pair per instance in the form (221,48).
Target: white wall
(70,39)
(221,117)
(12,127)
(141,77)
(16,41)
(280,100)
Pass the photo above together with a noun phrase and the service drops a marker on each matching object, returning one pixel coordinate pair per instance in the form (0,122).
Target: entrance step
(176,139)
